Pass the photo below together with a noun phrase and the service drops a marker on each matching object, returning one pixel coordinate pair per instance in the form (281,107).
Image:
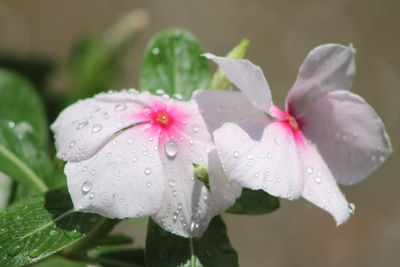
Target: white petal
(326,68)
(261,157)
(185,208)
(124,179)
(86,126)
(349,135)
(320,186)
(224,191)
(248,77)
(218,107)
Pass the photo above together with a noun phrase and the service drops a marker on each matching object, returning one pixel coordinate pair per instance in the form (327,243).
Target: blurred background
(281,33)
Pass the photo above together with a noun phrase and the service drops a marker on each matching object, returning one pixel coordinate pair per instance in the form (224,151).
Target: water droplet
(97,128)
(317,179)
(14,251)
(171,182)
(82,124)
(235,154)
(109,154)
(148,184)
(310,170)
(160,92)
(171,148)
(34,253)
(91,195)
(120,107)
(249,157)
(86,187)
(351,208)
(155,51)
(147,171)
(11,124)
(195,128)
(72,144)
(129,140)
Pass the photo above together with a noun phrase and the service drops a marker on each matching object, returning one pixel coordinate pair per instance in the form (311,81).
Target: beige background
(281,34)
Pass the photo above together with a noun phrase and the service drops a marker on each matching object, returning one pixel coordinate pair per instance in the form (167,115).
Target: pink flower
(326,135)
(132,155)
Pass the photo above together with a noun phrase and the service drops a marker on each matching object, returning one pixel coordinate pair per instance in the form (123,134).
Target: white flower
(132,155)
(326,134)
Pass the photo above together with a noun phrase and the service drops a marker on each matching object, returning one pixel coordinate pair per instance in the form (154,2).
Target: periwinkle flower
(326,135)
(131,154)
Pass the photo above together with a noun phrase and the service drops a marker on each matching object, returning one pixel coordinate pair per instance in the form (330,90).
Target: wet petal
(260,156)
(248,77)
(349,135)
(320,186)
(185,207)
(224,192)
(218,107)
(326,68)
(124,179)
(83,128)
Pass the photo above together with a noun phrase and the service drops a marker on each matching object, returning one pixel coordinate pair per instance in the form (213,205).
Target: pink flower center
(163,120)
(289,122)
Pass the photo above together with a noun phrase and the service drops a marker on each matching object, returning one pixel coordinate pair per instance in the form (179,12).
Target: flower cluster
(132,154)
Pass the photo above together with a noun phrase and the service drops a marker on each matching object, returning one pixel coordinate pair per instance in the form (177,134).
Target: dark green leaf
(116,239)
(164,249)
(20,103)
(213,249)
(173,63)
(123,258)
(254,202)
(39,226)
(57,261)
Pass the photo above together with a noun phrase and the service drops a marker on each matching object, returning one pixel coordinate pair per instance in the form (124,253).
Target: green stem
(26,174)
(192,257)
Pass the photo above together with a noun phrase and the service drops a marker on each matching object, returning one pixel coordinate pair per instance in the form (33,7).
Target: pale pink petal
(185,207)
(248,77)
(86,126)
(349,135)
(326,68)
(261,156)
(124,179)
(320,186)
(224,192)
(218,107)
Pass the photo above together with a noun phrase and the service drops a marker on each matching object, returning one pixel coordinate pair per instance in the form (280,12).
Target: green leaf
(219,81)
(254,202)
(39,226)
(213,249)
(5,190)
(173,63)
(19,157)
(116,239)
(57,261)
(123,258)
(20,103)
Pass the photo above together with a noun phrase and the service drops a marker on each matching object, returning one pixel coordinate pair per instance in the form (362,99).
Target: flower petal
(349,135)
(185,207)
(261,156)
(218,107)
(124,179)
(326,68)
(320,186)
(85,127)
(224,191)
(248,77)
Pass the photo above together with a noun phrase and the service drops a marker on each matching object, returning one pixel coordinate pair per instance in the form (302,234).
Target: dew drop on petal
(120,107)
(195,128)
(72,144)
(147,171)
(351,208)
(310,170)
(171,148)
(97,128)
(317,179)
(86,187)
(82,124)
(235,154)
(129,140)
